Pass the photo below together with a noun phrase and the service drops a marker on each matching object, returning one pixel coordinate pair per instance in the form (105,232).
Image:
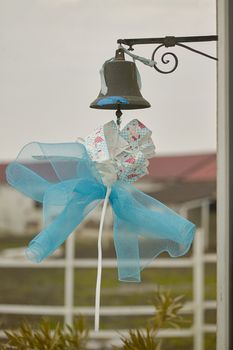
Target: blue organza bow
(65,180)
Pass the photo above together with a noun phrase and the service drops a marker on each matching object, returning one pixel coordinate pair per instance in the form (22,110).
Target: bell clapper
(118,115)
(118,121)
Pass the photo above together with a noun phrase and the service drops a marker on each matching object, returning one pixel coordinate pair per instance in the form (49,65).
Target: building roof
(194,168)
(176,179)
(184,178)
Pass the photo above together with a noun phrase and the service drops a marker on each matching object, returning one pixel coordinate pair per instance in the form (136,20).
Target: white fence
(197,307)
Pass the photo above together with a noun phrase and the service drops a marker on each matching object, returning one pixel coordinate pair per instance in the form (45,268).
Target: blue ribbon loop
(65,180)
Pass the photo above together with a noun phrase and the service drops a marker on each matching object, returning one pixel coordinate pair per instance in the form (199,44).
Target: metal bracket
(170,41)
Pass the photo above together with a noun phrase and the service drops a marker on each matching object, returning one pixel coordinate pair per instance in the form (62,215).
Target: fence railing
(197,307)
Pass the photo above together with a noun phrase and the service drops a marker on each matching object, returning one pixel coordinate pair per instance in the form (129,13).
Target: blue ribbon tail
(144,228)
(26,181)
(65,180)
(127,251)
(81,200)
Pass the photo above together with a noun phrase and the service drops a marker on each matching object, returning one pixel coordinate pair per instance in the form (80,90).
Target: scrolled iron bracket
(165,60)
(169,41)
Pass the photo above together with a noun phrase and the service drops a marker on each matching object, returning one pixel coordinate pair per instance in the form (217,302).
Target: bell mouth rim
(132,103)
(120,106)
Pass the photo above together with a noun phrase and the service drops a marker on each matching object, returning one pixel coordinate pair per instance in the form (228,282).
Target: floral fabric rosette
(121,155)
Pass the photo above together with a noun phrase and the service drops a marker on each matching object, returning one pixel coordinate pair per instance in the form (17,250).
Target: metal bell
(122,90)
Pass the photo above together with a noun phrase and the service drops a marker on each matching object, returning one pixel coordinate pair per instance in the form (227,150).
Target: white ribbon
(144,60)
(99,268)
(104,88)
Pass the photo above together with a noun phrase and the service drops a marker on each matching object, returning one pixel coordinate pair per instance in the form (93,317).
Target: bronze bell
(122,86)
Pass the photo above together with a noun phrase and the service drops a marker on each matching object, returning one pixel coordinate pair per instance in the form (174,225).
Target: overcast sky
(51,52)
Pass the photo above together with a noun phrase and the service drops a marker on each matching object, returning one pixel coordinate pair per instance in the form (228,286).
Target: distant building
(18,214)
(181,179)
(188,184)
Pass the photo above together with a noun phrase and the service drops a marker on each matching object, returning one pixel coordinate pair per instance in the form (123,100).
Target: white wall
(16,211)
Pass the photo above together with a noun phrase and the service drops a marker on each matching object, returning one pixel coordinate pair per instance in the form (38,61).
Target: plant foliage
(46,338)
(167,311)
(166,314)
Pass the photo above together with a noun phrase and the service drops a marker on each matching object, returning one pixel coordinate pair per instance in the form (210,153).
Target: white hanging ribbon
(99,268)
(104,88)
(139,80)
(144,60)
